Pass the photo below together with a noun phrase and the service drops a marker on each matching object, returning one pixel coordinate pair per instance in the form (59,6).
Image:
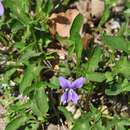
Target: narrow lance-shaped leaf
(75,36)
(76,26)
(38,5)
(94,60)
(78,47)
(105,16)
(48,6)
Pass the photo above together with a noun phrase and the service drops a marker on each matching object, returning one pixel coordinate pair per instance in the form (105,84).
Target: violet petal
(78,83)
(64,98)
(75,97)
(64,83)
(72,96)
(70,92)
(1,9)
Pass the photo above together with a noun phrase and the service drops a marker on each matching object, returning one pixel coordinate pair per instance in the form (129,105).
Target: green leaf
(48,6)
(125,121)
(39,84)
(118,88)
(83,123)
(35,109)
(89,121)
(76,26)
(92,64)
(18,13)
(31,73)
(109,76)
(78,47)
(9,73)
(38,6)
(98,126)
(113,91)
(41,101)
(110,2)
(29,54)
(54,83)
(65,2)
(116,42)
(32,126)
(127,4)
(95,76)
(27,78)
(66,113)
(75,36)
(118,122)
(16,123)
(123,67)
(19,45)
(105,16)
(19,107)
(127,12)
(16,27)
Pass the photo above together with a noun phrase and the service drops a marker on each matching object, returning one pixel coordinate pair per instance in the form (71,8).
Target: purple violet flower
(70,94)
(1,8)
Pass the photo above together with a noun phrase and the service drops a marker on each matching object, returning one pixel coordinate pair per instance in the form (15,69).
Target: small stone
(71,107)
(77,114)
(56,127)
(52,127)
(63,127)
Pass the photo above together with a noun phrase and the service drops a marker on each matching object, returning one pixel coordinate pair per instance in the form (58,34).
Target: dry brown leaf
(52,127)
(84,8)
(97,8)
(61,22)
(119,6)
(61,52)
(86,40)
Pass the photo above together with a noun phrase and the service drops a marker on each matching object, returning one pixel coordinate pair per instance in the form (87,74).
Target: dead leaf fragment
(61,22)
(97,8)
(86,40)
(57,127)
(119,6)
(52,127)
(84,7)
(2,120)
